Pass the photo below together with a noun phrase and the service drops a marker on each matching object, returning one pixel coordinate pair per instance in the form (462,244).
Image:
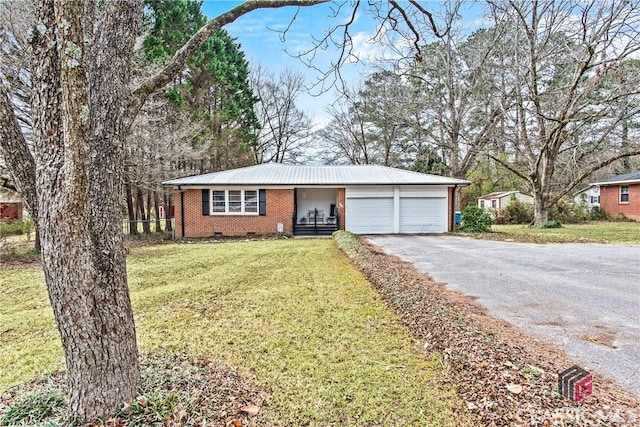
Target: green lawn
(292,316)
(596,232)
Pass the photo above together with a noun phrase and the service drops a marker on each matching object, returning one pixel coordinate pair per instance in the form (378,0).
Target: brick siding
(11,211)
(610,201)
(279,209)
(341,205)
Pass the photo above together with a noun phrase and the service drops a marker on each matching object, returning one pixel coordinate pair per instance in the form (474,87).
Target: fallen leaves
(178,390)
(514,388)
(503,376)
(251,410)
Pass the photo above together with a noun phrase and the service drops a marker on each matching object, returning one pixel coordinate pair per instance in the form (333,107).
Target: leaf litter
(177,391)
(506,378)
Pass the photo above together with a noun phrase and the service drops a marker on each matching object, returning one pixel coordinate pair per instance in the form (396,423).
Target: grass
(592,232)
(294,317)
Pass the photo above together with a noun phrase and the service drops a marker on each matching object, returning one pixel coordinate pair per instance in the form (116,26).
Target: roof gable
(280,174)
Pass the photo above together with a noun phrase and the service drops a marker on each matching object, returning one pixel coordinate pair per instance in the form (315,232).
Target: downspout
(181,211)
(453,207)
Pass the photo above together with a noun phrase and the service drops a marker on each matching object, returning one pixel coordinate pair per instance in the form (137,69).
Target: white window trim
(620,193)
(242,202)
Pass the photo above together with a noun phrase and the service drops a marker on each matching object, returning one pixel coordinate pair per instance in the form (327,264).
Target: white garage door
(370,215)
(423,215)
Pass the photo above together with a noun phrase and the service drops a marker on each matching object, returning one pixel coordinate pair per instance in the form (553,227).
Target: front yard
(295,318)
(591,232)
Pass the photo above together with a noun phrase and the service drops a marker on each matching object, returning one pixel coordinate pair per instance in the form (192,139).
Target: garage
(423,215)
(396,209)
(369,210)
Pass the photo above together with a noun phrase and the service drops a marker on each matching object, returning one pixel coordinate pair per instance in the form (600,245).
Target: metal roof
(498,194)
(620,179)
(279,174)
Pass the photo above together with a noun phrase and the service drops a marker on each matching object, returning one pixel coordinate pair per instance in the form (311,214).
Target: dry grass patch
(293,317)
(591,232)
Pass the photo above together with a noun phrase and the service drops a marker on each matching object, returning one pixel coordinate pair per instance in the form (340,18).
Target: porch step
(320,230)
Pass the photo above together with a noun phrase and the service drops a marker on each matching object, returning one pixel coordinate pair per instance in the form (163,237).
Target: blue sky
(257,32)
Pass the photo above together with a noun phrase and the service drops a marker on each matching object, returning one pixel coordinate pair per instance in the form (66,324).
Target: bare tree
(453,106)
(159,147)
(285,128)
(346,137)
(566,64)
(83,106)
(15,20)
(15,23)
(368,126)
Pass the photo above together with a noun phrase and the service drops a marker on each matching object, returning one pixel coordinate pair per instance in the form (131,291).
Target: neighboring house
(500,199)
(11,207)
(620,195)
(589,197)
(270,198)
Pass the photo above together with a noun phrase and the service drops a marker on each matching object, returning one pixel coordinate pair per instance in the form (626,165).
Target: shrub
(597,214)
(551,224)
(16,227)
(563,211)
(517,212)
(11,228)
(475,220)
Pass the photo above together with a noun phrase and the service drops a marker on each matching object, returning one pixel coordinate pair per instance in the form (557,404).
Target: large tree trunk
(540,208)
(82,109)
(79,182)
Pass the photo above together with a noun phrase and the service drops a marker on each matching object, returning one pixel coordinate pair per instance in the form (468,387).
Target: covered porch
(316,211)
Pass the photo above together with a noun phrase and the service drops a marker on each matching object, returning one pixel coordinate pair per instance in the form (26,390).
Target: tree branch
(432,22)
(594,167)
(15,149)
(180,58)
(510,168)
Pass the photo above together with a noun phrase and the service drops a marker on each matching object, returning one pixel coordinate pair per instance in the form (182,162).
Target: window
(219,202)
(482,204)
(494,204)
(595,199)
(624,194)
(234,202)
(251,201)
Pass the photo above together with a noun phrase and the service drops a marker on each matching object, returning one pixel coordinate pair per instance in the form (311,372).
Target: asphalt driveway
(584,298)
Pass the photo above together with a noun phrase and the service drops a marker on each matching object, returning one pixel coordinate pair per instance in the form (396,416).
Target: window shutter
(262,202)
(205,202)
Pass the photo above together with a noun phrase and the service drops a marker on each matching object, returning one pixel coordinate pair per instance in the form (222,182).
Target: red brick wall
(279,210)
(610,201)
(11,211)
(341,205)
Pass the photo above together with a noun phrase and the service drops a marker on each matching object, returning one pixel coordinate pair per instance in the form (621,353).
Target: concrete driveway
(584,298)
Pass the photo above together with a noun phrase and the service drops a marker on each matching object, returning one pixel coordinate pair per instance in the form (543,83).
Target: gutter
(181,211)
(453,207)
(628,182)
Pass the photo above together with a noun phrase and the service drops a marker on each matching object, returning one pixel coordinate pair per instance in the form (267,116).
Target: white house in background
(501,199)
(589,196)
